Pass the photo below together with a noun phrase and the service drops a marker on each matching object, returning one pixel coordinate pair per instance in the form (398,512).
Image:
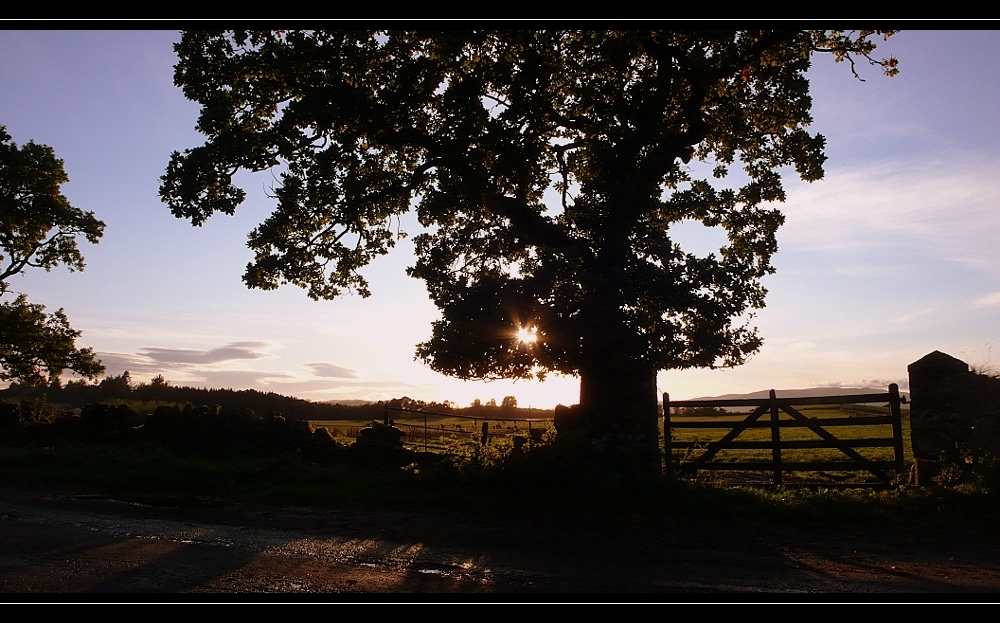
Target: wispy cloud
(116,363)
(200,368)
(187,365)
(946,206)
(330,370)
(990,300)
(229,352)
(917,314)
(237,379)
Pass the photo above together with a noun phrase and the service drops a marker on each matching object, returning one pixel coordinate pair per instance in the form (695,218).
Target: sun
(527,335)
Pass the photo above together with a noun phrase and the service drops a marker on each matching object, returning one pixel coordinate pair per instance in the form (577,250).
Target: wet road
(70,543)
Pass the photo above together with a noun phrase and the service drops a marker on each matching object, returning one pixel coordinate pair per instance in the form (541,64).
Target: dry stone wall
(952,409)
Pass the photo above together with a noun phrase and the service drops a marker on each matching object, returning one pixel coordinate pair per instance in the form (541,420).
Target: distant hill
(348,403)
(800,393)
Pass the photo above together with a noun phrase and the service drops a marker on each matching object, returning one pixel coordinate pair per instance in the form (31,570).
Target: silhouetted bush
(383,443)
(102,422)
(14,415)
(32,419)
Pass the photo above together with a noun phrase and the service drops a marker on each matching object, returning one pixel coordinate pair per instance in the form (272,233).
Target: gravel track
(61,542)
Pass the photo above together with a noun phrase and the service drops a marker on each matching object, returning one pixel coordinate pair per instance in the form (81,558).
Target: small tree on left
(38,229)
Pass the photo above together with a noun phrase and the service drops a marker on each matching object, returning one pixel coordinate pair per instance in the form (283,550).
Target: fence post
(385,416)
(529,434)
(775,439)
(668,449)
(486,432)
(897,426)
(425,432)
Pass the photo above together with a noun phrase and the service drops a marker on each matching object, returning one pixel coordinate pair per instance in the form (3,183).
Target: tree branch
(533,227)
(680,146)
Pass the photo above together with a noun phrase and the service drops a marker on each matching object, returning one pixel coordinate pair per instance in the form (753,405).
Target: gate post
(775,439)
(668,449)
(897,426)
(939,419)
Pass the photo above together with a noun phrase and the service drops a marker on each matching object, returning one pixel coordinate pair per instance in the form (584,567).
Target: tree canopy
(38,229)
(35,347)
(546,169)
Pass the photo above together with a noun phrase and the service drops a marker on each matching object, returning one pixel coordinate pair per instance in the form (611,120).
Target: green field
(443,433)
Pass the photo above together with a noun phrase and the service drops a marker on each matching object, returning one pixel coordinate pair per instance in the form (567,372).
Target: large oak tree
(546,169)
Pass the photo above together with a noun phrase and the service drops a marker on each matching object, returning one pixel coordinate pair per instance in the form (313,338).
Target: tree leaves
(475,131)
(35,347)
(38,229)
(38,226)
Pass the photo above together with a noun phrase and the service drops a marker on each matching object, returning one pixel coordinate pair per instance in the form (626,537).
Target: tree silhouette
(35,347)
(38,229)
(546,169)
(117,386)
(159,381)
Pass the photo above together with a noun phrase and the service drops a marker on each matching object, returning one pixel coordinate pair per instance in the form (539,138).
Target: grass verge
(532,485)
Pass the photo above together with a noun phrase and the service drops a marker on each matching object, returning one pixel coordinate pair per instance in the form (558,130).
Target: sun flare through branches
(527,335)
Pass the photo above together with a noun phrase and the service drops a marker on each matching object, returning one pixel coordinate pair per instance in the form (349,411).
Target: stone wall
(952,408)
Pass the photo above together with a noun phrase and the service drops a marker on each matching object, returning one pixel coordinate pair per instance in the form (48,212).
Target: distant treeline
(506,410)
(145,397)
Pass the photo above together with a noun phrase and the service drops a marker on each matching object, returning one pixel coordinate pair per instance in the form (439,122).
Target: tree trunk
(618,402)
(618,406)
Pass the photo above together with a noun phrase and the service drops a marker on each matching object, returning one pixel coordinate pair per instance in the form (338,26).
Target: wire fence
(436,435)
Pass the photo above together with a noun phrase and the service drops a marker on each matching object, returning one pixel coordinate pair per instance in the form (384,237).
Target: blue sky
(893,255)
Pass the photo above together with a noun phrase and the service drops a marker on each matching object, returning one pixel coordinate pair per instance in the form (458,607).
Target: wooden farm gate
(772,407)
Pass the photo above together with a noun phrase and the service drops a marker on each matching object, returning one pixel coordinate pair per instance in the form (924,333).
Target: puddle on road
(159,501)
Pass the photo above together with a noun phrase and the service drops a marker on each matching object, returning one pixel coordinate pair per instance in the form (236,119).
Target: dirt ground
(71,543)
